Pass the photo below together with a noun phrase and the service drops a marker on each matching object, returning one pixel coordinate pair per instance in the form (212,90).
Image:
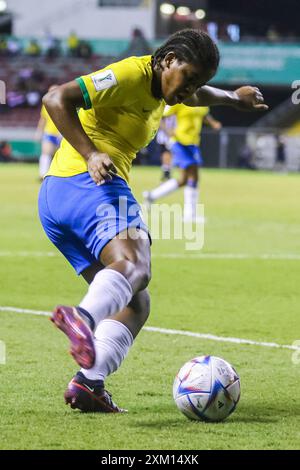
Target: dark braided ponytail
(190,46)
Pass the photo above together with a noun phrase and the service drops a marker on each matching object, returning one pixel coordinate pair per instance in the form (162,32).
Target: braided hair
(190,46)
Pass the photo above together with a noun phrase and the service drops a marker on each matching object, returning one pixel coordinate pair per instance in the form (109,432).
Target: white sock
(191,196)
(108,293)
(112,342)
(44,164)
(166,167)
(164,189)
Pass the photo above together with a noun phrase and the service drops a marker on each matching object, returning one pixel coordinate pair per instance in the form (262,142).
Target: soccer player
(163,138)
(50,136)
(185,141)
(87,208)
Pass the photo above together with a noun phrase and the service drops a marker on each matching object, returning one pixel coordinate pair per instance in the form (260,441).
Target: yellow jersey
(189,121)
(50,128)
(121,116)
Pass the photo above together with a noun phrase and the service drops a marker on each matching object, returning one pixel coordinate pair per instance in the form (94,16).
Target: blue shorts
(80,218)
(186,155)
(54,139)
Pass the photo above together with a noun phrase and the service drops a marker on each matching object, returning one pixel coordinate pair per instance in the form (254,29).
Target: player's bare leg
(127,271)
(86,391)
(114,335)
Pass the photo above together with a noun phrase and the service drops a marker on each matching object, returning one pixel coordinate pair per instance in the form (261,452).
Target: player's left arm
(245,98)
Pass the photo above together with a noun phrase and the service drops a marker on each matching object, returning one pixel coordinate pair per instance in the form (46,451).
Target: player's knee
(138,273)
(144,304)
(140,266)
(141,304)
(144,276)
(182,180)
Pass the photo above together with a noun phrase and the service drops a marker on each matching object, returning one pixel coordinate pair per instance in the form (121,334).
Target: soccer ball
(207,388)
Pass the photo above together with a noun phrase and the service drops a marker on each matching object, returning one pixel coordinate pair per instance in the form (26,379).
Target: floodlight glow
(3,6)
(200,14)
(183,11)
(167,9)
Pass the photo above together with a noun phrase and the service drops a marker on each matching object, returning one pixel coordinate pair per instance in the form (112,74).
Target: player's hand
(101,168)
(249,98)
(216,125)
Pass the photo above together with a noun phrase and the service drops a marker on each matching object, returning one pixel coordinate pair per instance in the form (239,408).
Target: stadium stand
(51,70)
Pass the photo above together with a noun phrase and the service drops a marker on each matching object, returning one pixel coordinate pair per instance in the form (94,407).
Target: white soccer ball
(207,388)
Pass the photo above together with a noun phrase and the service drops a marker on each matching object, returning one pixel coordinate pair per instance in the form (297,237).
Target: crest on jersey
(104,80)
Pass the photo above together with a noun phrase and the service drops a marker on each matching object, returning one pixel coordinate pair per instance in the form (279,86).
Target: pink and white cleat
(68,320)
(89,397)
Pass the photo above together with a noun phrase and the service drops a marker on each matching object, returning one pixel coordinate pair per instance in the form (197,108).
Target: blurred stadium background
(63,39)
(244,284)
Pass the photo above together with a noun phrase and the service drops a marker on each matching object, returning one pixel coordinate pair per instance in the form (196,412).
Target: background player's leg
(180,154)
(191,194)
(166,164)
(162,190)
(45,159)
(165,188)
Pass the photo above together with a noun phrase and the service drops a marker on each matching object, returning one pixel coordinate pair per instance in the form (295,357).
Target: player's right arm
(61,104)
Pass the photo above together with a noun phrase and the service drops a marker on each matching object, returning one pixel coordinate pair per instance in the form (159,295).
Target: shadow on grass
(169,416)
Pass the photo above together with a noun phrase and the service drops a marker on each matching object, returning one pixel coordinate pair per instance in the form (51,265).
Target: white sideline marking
(264,256)
(25,310)
(25,254)
(223,339)
(241,256)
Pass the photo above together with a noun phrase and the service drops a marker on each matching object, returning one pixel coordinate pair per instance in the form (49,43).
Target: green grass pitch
(252,297)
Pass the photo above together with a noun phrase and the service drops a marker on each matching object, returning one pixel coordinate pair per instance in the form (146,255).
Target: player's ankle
(91,383)
(87,317)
